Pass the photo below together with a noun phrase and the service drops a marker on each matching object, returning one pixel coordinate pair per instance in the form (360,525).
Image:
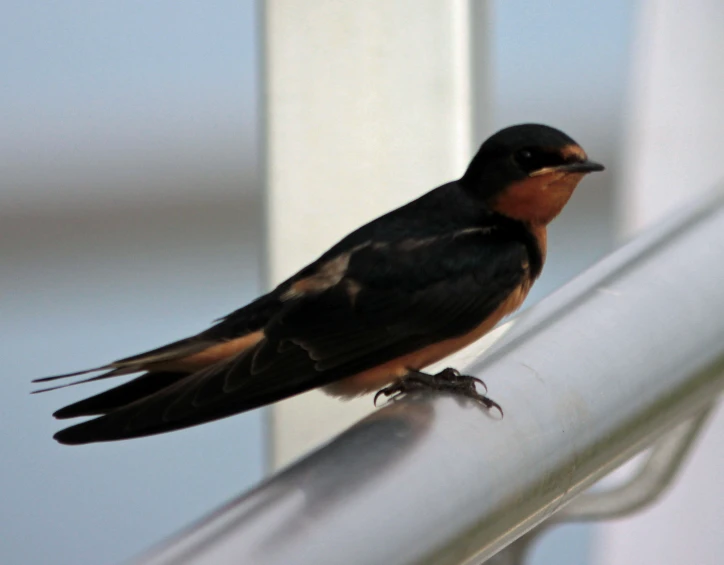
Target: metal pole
(588,378)
(650,481)
(367,105)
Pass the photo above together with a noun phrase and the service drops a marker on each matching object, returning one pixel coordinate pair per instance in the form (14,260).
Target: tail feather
(104,428)
(192,399)
(134,364)
(68,375)
(113,373)
(170,352)
(122,395)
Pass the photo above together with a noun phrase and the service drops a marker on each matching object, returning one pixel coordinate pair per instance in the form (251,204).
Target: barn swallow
(396,295)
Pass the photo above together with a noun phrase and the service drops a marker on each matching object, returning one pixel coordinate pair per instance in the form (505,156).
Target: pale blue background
(130,216)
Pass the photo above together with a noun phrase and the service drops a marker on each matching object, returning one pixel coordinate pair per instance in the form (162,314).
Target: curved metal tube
(587,378)
(649,482)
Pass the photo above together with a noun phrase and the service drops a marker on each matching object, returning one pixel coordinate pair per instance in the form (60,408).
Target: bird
(394,296)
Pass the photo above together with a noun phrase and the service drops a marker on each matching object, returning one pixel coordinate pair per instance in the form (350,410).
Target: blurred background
(131,215)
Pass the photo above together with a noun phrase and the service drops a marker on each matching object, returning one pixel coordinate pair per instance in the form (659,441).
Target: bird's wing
(352,312)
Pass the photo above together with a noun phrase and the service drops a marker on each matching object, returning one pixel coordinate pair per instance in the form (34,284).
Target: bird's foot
(447,380)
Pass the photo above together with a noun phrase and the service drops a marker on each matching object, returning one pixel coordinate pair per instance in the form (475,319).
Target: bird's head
(527,172)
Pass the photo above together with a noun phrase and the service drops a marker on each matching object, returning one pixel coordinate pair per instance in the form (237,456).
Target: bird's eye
(531,159)
(524,155)
(526,159)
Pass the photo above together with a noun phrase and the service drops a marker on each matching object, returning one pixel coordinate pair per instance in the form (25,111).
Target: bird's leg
(447,380)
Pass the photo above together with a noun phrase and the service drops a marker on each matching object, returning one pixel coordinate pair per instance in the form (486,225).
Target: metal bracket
(653,477)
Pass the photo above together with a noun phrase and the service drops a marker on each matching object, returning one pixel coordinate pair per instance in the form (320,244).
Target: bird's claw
(447,380)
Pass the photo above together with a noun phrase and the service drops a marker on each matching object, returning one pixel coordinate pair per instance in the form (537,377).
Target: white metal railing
(589,377)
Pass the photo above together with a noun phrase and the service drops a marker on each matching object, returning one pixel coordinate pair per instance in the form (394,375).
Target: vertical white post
(368,105)
(674,149)
(674,146)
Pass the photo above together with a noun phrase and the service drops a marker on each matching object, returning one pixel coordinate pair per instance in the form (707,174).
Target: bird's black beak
(574,167)
(581,167)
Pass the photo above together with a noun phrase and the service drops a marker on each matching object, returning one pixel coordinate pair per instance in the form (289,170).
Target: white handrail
(587,378)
